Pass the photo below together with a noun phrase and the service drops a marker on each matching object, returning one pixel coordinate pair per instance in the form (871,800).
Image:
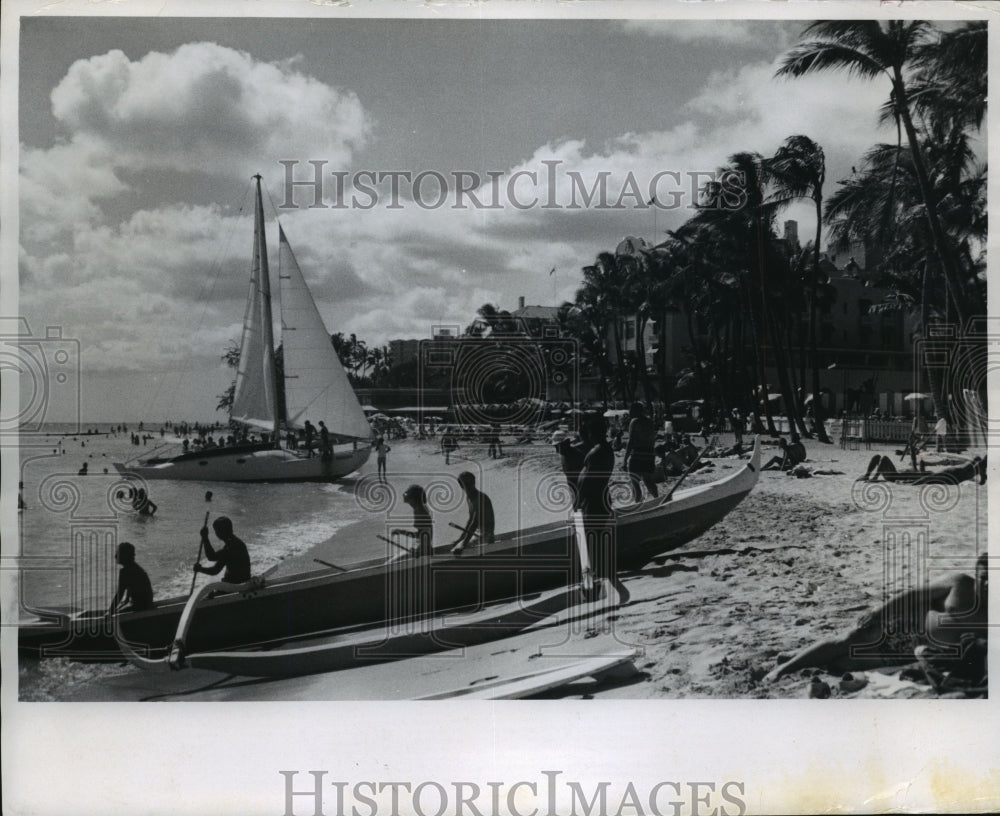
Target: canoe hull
(406,589)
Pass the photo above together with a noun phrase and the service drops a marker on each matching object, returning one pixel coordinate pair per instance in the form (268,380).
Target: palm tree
(866,49)
(798,170)
(744,232)
(603,302)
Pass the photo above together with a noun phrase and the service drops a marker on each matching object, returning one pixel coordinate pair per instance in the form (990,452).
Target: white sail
(254,400)
(316,385)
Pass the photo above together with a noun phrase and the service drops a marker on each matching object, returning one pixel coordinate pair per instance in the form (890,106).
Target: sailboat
(315,384)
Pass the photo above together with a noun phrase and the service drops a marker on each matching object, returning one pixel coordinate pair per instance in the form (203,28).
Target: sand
(798,560)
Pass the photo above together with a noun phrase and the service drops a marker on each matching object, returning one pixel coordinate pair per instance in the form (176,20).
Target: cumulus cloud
(769,34)
(205,108)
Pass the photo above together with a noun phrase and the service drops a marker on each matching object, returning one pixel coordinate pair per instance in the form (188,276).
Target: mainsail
(254,400)
(316,385)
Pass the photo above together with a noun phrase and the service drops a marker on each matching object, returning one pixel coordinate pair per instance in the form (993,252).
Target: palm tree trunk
(757,350)
(938,239)
(819,415)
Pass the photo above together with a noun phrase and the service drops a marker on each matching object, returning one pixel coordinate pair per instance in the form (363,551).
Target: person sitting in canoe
(949,635)
(423,526)
(233,556)
(882,466)
(791,455)
(135,592)
(481,519)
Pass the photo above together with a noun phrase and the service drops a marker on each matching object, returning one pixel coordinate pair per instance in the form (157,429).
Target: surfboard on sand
(515,667)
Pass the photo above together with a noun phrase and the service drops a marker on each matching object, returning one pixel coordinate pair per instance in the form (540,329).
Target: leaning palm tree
(867,49)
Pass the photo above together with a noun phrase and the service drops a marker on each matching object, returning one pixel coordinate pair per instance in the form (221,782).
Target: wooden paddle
(683,476)
(587,579)
(201,547)
(403,547)
(328,564)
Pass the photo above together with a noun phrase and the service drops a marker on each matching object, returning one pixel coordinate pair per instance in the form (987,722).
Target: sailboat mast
(267,327)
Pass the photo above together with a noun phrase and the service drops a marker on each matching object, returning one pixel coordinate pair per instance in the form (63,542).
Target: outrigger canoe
(397,591)
(357,646)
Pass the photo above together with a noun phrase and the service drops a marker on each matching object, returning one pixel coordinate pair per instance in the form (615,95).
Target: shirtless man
(956,607)
(481,519)
(233,556)
(791,455)
(135,592)
(423,525)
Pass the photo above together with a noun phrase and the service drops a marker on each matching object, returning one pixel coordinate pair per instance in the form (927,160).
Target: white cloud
(205,108)
(770,34)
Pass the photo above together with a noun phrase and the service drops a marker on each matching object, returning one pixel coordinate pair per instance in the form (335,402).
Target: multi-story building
(865,354)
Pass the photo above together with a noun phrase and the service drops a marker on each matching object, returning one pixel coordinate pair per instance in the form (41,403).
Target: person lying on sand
(956,610)
(882,466)
(791,455)
(802,472)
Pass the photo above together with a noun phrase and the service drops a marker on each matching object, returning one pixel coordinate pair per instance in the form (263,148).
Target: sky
(139,137)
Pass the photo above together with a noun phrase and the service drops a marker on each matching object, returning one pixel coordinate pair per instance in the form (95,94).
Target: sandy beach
(798,560)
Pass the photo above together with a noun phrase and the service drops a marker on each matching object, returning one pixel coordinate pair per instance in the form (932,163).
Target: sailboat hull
(252,465)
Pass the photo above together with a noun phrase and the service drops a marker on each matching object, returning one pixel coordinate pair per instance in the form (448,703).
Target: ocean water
(72,523)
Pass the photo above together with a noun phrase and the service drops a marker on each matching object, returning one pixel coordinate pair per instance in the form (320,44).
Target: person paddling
(233,556)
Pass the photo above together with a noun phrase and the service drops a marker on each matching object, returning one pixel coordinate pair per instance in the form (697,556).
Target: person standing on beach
(381,449)
(640,460)
(309,431)
(448,445)
(135,592)
(593,499)
(325,450)
(493,438)
(233,556)
(481,519)
(736,420)
(941,432)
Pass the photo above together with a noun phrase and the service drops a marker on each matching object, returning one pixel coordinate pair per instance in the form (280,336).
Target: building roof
(543,312)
